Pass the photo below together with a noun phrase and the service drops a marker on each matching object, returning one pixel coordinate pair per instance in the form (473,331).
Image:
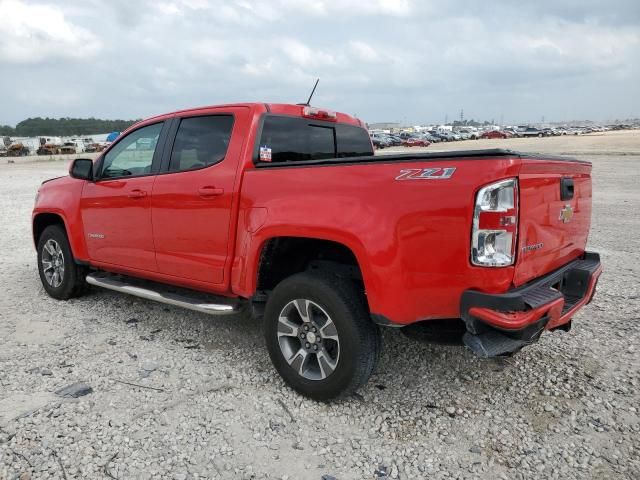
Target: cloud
(302,55)
(363,51)
(33,33)
(383,59)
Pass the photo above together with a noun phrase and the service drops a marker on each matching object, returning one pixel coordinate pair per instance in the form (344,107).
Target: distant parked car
(394,140)
(495,134)
(68,148)
(378,143)
(48,149)
(416,142)
(448,137)
(17,150)
(438,135)
(431,138)
(468,134)
(94,147)
(532,132)
(380,140)
(550,132)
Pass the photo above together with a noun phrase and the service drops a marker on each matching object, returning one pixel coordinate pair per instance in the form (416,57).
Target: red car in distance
(416,142)
(495,134)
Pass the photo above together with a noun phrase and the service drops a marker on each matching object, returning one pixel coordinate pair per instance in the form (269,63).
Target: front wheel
(61,277)
(320,336)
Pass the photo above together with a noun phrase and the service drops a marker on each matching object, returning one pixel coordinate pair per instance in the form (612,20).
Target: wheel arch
(43,220)
(280,257)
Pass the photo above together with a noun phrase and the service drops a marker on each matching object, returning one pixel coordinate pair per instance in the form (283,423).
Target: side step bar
(179,297)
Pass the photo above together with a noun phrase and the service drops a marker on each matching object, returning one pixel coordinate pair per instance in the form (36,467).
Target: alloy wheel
(53,263)
(308,339)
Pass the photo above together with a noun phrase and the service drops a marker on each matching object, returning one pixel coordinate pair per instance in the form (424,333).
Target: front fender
(61,197)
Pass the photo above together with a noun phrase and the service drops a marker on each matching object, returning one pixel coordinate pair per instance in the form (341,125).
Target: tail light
(495,224)
(313,112)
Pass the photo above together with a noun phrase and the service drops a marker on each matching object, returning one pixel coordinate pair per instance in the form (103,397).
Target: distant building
(384,126)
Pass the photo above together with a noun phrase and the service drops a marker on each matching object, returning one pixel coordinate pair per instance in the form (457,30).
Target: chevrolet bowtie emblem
(566,214)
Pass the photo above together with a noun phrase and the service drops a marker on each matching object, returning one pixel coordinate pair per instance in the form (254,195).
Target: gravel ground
(180,395)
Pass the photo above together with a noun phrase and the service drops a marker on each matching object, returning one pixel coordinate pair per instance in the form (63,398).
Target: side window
(133,155)
(200,142)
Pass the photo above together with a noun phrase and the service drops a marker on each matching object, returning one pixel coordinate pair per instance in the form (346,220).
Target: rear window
(289,139)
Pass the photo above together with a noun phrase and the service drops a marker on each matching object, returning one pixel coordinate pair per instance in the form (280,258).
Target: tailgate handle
(566,188)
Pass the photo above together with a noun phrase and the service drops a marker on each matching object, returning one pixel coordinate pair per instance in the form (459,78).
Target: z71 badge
(426,173)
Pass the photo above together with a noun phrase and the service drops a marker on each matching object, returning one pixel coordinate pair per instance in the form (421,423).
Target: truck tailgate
(555,215)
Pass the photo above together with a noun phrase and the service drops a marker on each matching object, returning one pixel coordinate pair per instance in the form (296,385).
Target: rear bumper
(499,324)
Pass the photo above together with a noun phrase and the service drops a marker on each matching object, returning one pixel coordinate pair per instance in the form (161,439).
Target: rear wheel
(61,277)
(320,336)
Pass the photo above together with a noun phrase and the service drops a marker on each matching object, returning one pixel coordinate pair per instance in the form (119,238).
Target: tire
(348,357)
(70,280)
(540,135)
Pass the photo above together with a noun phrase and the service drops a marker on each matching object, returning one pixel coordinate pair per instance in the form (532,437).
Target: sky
(407,61)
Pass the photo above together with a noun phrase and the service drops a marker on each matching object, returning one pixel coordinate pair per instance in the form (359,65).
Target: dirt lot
(209,405)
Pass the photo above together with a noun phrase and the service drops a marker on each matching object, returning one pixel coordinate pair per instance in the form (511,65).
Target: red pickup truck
(285,210)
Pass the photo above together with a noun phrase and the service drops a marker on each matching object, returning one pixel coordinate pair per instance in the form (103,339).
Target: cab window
(288,139)
(133,155)
(200,142)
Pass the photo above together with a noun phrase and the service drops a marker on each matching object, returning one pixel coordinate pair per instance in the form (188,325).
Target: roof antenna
(312,92)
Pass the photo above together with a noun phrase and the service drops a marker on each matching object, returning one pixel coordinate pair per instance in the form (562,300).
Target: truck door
(115,208)
(192,198)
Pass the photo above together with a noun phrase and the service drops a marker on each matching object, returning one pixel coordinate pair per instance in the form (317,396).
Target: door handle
(210,191)
(137,193)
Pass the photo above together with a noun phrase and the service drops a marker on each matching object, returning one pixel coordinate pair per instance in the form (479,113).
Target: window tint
(286,139)
(200,142)
(133,154)
(353,141)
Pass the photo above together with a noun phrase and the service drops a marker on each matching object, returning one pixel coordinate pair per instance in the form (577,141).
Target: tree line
(63,127)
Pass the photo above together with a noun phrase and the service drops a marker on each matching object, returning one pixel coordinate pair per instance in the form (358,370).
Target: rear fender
(251,246)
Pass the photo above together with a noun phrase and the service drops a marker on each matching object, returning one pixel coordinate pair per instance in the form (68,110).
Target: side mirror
(82,169)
